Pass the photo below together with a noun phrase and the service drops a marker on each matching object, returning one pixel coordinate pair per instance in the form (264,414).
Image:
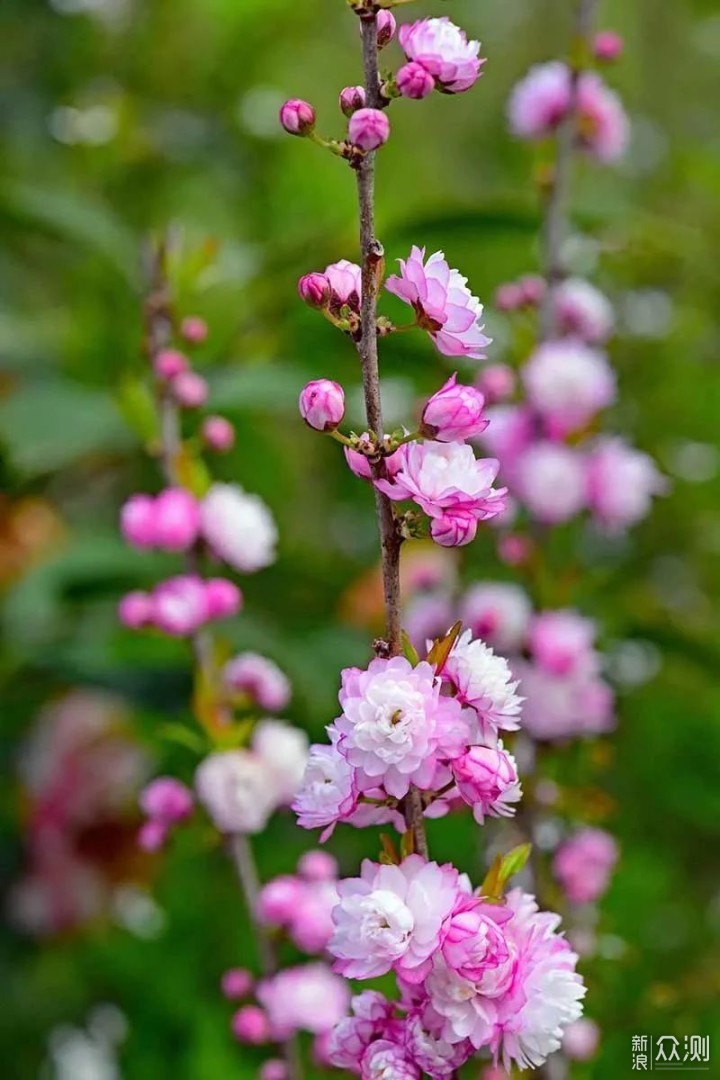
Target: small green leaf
(513,862)
(409,649)
(389,855)
(190,738)
(490,888)
(441,649)
(136,404)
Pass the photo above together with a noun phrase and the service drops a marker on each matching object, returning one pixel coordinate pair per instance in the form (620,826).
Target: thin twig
(372,264)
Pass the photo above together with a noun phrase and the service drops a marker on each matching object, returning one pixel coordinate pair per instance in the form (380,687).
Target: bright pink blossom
(135,610)
(152,836)
(168,363)
(137,521)
(392,917)
(277,900)
(444,51)
(297,117)
(218,434)
(475,946)
(442,302)
(369,129)
(189,389)
(487,780)
(236,983)
(223,597)
(176,519)
(608,46)
(322,404)
(314,290)
(273,1069)
(386,27)
(584,863)
(485,682)
(414,81)
(568,384)
(180,605)
(167,800)
(250,1024)
(454,413)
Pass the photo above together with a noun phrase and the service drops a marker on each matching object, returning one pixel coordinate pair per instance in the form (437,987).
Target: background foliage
(121,116)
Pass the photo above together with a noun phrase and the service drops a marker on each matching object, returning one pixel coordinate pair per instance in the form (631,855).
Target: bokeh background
(120,116)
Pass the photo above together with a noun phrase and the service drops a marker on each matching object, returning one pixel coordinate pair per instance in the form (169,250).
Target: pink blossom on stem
(168,363)
(278,899)
(297,117)
(550,479)
(392,917)
(484,681)
(414,81)
(274,1069)
(386,27)
(176,519)
(135,610)
(167,800)
(250,1025)
(311,926)
(236,790)
(360,464)
(568,384)
(137,521)
(318,866)
(218,434)
(224,599)
(371,1015)
(475,946)
(345,281)
(539,102)
(443,304)
(583,310)
(437,1058)
(250,673)
(603,122)
(306,998)
(498,612)
(444,51)
(236,984)
(328,791)
(314,290)
(189,389)
(322,404)
(621,482)
(368,129)
(497,382)
(561,642)
(352,98)
(508,296)
(454,413)
(238,527)
(454,529)
(384,1059)
(487,780)
(584,863)
(180,605)
(608,46)
(194,329)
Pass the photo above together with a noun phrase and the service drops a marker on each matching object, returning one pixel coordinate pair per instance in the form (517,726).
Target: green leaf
(513,862)
(409,649)
(181,735)
(137,405)
(442,647)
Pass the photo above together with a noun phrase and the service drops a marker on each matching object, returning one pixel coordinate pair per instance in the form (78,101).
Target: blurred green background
(121,116)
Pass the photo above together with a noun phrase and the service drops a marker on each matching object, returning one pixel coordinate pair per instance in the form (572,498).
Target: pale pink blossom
(581,1040)
(498,612)
(180,605)
(414,81)
(394,720)
(539,102)
(168,363)
(386,27)
(582,309)
(484,681)
(167,800)
(603,122)
(564,706)
(568,383)
(386,1060)
(306,998)
(487,780)
(345,281)
(497,382)
(189,389)
(454,413)
(322,404)
(369,129)
(250,1025)
(236,790)
(562,642)
(260,678)
(238,527)
(137,521)
(277,900)
(351,99)
(194,329)
(392,917)
(274,1069)
(443,304)
(371,1014)
(621,482)
(584,863)
(437,1058)
(443,49)
(283,751)
(318,866)
(135,610)
(218,434)
(310,926)
(328,792)
(236,983)
(297,117)
(549,477)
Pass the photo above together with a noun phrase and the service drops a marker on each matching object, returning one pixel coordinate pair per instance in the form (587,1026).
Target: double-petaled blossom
(444,51)
(487,779)
(454,413)
(328,791)
(550,478)
(584,863)
(180,605)
(442,302)
(170,520)
(368,129)
(621,482)
(414,81)
(371,1014)
(568,383)
(559,707)
(259,678)
(305,998)
(449,484)
(581,309)
(297,117)
(322,404)
(498,612)
(422,1040)
(392,917)
(475,946)
(236,790)
(238,527)
(303,909)
(283,749)
(484,681)
(562,642)
(384,1060)
(394,721)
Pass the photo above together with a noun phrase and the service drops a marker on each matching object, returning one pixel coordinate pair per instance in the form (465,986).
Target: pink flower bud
(223,598)
(135,610)
(581,1039)
(322,404)
(166,800)
(278,900)
(194,329)
(487,780)
(180,605)
(168,363)
(454,413)
(297,117)
(137,521)
(532,289)
(274,1069)
(368,129)
(414,81)
(508,296)
(177,519)
(218,434)
(318,866)
(386,27)
(189,389)
(236,984)
(152,836)
(315,290)
(514,550)
(497,382)
(608,46)
(250,1025)
(454,530)
(352,98)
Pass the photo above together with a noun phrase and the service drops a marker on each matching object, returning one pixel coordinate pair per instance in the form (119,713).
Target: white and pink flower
(568,383)
(487,779)
(485,682)
(444,51)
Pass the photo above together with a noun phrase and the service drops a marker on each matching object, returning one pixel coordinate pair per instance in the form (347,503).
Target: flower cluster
(301,904)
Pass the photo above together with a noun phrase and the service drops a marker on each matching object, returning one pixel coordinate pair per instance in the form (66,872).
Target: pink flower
(385,1060)
(308,998)
(250,673)
(283,750)
(437,1058)
(168,363)
(454,413)
(314,290)
(443,304)
(180,605)
(583,865)
(238,527)
(277,900)
(297,117)
(487,780)
(236,790)
(550,479)
(167,800)
(568,383)
(393,721)
(475,945)
(562,642)
(386,27)
(582,309)
(176,519)
(352,98)
(455,529)
(608,47)
(353,1034)
(250,1025)
(223,598)
(621,482)
(137,521)
(564,706)
(414,81)
(392,917)
(484,681)
(498,612)
(369,129)
(327,793)
(360,464)
(497,382)
(152,836)
(189,389)
(194,329)
(273,1069)
(604,126)
(444,51)
(581,1040)
(218,434)
(318,866)
(345,281)
(135,610)
(322,404)
(236,984)
(539,102)
(445,480)
(311,926)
